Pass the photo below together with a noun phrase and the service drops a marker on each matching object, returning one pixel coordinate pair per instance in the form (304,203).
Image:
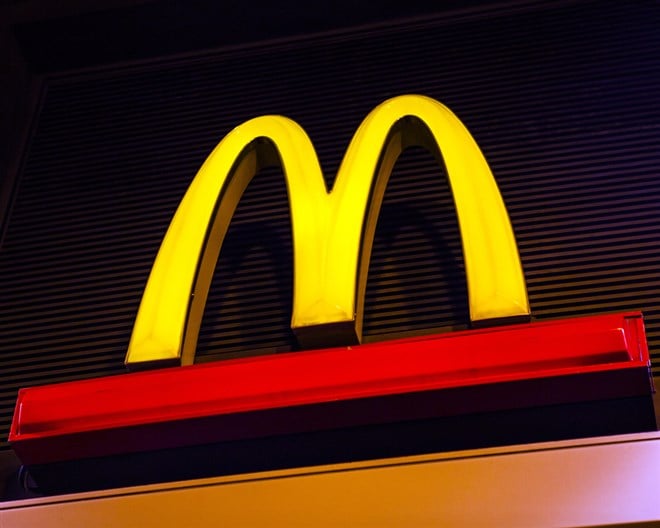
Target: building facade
(129,101)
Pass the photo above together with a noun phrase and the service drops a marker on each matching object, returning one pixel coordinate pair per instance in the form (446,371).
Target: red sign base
(522,383)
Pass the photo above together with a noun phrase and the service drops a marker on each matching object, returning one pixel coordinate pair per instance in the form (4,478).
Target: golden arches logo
(332,231)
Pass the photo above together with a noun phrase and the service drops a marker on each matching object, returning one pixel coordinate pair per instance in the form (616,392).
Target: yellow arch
(332,231)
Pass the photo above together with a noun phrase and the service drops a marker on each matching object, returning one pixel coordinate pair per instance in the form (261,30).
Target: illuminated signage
(332,231)
(414,395)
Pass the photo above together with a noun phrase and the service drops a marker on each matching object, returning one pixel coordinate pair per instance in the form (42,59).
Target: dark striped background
(561,96)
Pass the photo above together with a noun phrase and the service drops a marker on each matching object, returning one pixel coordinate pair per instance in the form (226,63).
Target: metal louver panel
(562,99)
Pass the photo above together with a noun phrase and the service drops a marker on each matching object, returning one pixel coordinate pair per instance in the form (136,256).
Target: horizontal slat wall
(562,99)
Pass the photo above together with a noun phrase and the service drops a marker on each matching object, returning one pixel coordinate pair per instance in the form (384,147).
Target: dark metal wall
(562,99)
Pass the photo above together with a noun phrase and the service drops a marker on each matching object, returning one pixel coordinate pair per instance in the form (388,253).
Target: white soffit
(598,481)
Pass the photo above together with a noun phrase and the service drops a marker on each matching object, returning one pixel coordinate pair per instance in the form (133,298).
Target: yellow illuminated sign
(332,231)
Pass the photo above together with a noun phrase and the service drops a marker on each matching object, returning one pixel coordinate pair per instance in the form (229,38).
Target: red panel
(236,398)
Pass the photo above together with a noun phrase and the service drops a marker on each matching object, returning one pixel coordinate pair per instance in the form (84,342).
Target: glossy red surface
(234,399)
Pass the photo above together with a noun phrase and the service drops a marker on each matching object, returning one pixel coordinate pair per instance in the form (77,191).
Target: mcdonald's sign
(332,231)
(351,401)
